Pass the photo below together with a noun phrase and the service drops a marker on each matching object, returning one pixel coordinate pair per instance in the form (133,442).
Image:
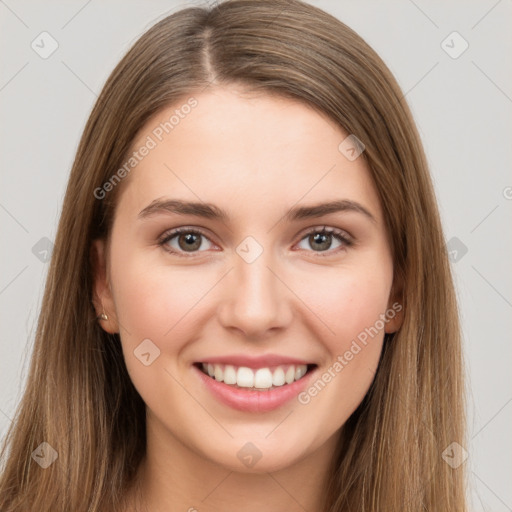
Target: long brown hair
(79,398)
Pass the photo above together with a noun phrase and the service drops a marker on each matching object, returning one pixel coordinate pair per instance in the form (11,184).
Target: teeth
(218,373)
(300,371)
(278,377)
(290,375)
(229,374)
(262,378)
(245,377)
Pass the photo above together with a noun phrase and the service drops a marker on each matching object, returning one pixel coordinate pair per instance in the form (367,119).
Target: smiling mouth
(260,379)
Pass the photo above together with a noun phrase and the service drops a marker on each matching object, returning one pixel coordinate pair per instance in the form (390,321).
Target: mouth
(264,379)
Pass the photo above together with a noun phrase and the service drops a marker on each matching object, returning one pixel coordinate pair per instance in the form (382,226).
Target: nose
(256,300)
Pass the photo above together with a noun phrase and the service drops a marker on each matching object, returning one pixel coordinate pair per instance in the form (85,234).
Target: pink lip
(254,362)
(252,400)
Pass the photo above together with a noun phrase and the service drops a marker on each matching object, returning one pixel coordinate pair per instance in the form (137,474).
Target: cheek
(157,304)
(347,302)
(351,304)
(154,302)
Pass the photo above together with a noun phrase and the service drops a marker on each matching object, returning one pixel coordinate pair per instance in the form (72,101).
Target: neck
(172,477)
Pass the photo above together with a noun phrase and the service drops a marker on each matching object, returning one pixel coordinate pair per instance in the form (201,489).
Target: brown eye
(189,242)
(321,240)
(183,240)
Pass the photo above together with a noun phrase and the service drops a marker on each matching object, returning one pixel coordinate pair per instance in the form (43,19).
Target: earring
(103,316)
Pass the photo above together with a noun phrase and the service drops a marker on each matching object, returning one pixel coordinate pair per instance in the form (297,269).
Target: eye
(322,239)
(184,240)
(187,240)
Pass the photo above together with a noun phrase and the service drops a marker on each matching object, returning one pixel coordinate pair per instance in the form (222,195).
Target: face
(270,290)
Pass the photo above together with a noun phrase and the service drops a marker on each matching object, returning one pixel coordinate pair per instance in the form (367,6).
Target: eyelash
(336,233)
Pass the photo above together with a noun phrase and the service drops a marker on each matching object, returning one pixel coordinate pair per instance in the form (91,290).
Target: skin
(256,156)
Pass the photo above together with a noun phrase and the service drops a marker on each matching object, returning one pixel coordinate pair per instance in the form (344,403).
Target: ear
(395,307)
(102,294)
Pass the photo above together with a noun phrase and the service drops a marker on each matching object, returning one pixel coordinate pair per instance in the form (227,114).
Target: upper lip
(254,361)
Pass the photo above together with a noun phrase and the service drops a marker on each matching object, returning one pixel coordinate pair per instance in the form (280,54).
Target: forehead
(241,149)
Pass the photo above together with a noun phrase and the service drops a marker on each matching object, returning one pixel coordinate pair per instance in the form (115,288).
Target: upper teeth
(263,378)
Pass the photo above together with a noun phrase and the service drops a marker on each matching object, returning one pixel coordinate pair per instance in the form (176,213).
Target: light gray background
(463,109)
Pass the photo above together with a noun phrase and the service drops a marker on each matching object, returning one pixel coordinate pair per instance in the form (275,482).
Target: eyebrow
(211,211)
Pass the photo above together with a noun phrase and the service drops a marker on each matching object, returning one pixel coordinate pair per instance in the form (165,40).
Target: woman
(249,303)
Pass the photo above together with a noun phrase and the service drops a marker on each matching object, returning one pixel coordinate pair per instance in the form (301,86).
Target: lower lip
(251,400)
